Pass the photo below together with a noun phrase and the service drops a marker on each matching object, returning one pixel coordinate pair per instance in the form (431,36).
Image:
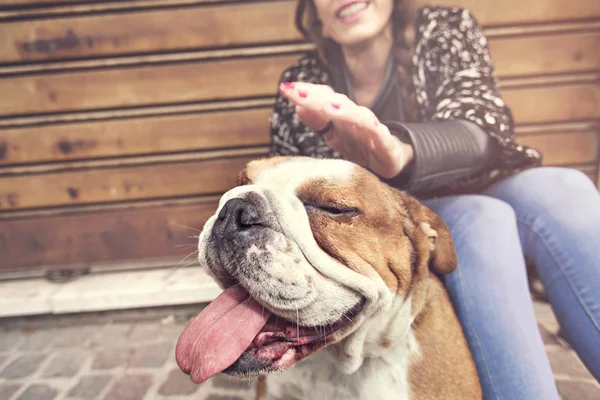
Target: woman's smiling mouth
(351,10)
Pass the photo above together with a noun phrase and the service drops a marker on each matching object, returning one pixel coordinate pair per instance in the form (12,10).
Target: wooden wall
(121,122)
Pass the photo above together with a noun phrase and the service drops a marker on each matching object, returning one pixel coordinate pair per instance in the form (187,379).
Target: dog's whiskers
(188,227)
(185,258)
(185,246)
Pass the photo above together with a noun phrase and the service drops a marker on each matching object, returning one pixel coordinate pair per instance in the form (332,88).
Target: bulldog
(328,289)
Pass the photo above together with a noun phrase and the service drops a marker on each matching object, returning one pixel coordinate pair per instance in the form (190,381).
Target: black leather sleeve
(444,152)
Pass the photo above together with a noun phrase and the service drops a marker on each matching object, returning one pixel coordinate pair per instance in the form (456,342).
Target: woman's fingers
(307,87)
(309,100)
(351,117)
(311,118)
(316,105)
(357,133)
(313,97)
(307,94)
(360,137)
(361,123)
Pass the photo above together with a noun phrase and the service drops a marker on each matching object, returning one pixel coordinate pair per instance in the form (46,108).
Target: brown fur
(398,238)
(445,369)
(381,239)
(368,242)
(248,174)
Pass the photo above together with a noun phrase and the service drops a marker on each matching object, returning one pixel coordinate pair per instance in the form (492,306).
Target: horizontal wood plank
(565,148)
(148,31)
(487,11)
(79,240)
(554,103)
(204,81)
(205,27)
(101,4)
(135,112)
(548,54)
(124,137)
(120,184)
(154,59)
(492,12)
(206,177)
(237,128)
(30,3)
(220,80)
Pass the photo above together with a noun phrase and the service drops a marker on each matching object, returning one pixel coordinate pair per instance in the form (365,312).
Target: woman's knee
(548,191)
(555,178)
(545,183)
(476,216)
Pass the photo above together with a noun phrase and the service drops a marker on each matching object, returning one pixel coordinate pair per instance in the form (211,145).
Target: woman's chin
(358,35)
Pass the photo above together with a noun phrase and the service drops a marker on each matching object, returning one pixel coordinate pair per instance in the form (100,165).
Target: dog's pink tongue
(219,335)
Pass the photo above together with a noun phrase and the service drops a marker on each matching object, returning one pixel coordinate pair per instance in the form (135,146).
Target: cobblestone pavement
(130,355)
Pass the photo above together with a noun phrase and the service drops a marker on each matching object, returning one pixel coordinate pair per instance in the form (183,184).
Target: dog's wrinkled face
(307,251)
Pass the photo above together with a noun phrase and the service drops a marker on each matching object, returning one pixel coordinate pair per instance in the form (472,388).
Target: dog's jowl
(329,289)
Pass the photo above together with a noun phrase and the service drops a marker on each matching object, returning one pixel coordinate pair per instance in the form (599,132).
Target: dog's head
(309,253)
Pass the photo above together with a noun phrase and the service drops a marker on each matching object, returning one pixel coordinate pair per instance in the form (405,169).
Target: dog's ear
(443,259)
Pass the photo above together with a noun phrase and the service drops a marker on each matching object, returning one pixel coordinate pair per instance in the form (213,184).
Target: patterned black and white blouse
(457,91)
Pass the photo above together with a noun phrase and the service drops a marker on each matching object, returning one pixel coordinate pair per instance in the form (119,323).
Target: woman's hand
(357,134)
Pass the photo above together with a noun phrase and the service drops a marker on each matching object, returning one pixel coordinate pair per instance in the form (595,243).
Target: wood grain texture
(487,11)
(554,103)
(565,148)
(148,31)
(492,12)
(78,240)
(135,112)
(135,136)
(237,25)
(102,4)
(547,54)
(135,60)
(120,184)
(203,81)
(238,128)
(195,178)
(206,81)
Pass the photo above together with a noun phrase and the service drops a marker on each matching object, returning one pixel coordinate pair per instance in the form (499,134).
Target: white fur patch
(381,378)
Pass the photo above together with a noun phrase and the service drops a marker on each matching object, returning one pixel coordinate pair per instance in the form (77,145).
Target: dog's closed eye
(331,209)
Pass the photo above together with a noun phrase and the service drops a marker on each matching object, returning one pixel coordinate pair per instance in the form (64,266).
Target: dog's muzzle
(236,216)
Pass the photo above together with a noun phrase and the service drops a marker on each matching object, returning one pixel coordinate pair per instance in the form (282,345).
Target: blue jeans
(551,216)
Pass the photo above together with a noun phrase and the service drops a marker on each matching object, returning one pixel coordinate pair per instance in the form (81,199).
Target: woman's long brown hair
(403,23)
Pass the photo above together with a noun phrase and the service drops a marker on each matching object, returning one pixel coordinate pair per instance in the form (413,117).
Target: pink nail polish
(335,106)
(287,85)
(302,94)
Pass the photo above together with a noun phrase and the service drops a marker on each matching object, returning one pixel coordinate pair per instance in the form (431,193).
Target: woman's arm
(468,129)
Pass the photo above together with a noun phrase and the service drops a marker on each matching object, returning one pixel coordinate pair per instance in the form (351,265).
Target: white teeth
(352,9)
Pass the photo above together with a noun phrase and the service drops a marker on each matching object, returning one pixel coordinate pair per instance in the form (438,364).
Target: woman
(412,95)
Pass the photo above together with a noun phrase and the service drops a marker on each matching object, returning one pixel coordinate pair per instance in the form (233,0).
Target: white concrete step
(107,291)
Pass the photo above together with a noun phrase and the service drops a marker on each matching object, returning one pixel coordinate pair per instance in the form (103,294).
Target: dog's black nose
(237,215)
